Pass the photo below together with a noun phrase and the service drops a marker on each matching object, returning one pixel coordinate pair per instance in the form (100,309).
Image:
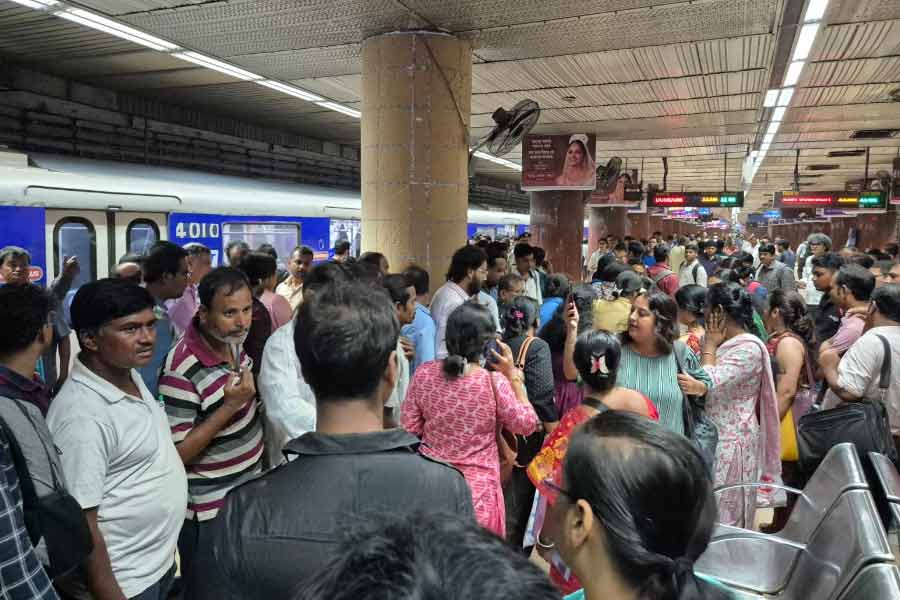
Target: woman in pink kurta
(456,407)
(742,403)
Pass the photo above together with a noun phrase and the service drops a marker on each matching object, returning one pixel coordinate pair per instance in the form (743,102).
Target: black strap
(696,268)
(885,382)
(594,403)
(662,275)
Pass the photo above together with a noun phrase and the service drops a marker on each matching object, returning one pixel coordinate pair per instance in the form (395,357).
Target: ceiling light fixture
(500,161)
(785,97)
(805,41)
(771,98)
(767,139)
(815,11)
(778,114)
(793,73)
(37,4)
(291,90)
(216,65)
(341,109)
(105,25)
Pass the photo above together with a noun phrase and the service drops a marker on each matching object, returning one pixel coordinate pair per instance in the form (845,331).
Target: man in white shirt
(467,273)
(857,375)
(692,272)
(525,266)
(291,289)
(819,244)
(601,251)
(403,296)
(751,246)
(115,446)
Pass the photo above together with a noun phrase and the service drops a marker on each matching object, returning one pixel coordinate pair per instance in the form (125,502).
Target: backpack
(659,277)
(56,517)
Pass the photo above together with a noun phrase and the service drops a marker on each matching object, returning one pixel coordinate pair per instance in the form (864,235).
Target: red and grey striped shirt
(192,387)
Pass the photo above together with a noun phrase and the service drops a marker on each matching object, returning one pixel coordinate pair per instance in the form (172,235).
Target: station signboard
(696,199)
(869,200)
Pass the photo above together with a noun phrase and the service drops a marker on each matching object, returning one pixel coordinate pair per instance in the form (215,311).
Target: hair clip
(518,314)
(598,365)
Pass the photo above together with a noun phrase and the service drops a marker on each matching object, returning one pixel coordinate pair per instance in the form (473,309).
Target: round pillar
(416,95)
(607,220)
(557,226)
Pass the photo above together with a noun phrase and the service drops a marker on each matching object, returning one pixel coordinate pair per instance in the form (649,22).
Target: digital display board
(841,200)
(696,199)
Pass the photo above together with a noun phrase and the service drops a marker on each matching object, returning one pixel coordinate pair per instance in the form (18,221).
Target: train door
(82,233)
(136,232)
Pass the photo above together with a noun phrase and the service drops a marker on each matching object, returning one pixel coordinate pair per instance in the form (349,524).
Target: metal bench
(875,582)
(840,551)
(889,481)
(764,562)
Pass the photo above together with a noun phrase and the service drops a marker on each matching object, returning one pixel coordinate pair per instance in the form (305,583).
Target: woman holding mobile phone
(456,406)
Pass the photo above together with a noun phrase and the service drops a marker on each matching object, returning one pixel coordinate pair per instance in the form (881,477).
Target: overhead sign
(622,195)
(559,162)
(842,200)
(696,199)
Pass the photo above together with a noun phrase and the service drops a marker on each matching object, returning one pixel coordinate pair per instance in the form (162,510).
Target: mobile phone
(488,354)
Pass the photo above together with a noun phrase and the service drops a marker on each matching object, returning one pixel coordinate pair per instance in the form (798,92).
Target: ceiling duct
(874,134)
(845,153)
(823,167)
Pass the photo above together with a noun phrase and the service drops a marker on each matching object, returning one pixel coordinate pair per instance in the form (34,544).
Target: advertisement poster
(559,162)
(621,196)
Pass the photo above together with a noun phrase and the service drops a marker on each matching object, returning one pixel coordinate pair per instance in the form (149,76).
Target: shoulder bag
(56,517)
(698,427)
(864,423)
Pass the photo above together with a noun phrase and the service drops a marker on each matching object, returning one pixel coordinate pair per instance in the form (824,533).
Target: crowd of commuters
(347,429)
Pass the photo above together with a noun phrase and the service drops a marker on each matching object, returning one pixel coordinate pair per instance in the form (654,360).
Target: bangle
(516,377)
(709,352)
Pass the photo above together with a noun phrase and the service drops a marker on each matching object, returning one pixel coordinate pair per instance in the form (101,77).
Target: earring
(543,545)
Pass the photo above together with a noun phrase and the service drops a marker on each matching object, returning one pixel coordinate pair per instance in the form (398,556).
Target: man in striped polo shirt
(214,415)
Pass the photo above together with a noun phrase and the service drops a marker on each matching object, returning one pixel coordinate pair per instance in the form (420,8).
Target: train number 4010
(197,230)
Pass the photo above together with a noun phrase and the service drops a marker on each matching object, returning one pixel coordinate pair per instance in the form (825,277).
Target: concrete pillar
(416,95)
(557,226)
(607,220)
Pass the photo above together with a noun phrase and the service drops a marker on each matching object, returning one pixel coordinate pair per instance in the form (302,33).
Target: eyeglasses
(548,483)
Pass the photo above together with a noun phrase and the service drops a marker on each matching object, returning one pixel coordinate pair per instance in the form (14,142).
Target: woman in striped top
(648,362)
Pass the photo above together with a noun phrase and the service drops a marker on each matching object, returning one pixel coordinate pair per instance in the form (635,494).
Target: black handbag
(698,427)
(864,423)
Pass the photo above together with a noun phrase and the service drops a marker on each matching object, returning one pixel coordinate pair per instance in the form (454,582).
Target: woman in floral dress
(738,364)
(456,407)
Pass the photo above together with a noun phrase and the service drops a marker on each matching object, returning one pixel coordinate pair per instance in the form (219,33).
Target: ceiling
(683,79)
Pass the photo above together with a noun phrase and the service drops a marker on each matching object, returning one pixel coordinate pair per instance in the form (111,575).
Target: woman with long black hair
(633,511)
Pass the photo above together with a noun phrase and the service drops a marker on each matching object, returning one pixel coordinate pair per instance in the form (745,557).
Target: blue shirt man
(422,332)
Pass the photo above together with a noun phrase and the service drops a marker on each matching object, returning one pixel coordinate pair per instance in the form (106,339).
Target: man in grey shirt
(771,274)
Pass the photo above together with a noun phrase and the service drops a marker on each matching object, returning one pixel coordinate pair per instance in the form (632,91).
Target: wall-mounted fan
(511,126)
(608,175)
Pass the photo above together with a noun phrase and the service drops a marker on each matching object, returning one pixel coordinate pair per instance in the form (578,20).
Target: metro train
(98,211)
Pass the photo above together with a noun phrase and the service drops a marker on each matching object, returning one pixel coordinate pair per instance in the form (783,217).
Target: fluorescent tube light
(805,41)
(291,90)
(785,97)
(38,4)
(767,139)
(216,65)
(340,108)
(778,113)
(771,98)
(793,73)
(105,25)
(500,161)
(815,11)
(773,128)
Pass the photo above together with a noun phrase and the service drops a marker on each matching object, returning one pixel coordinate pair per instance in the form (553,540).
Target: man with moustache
(467,273)
(115,448)
(214,415)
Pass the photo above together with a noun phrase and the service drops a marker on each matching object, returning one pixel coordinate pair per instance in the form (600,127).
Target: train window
(284,237)
(140,235)
(74,236)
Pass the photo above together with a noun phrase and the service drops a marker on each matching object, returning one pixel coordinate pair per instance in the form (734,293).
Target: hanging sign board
(696,199)
(840,200)
(559,162)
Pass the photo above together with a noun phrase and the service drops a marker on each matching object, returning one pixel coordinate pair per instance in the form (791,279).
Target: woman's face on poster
(575,155)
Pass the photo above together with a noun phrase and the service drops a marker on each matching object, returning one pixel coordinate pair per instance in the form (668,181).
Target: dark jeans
(160,589)
(199,575)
